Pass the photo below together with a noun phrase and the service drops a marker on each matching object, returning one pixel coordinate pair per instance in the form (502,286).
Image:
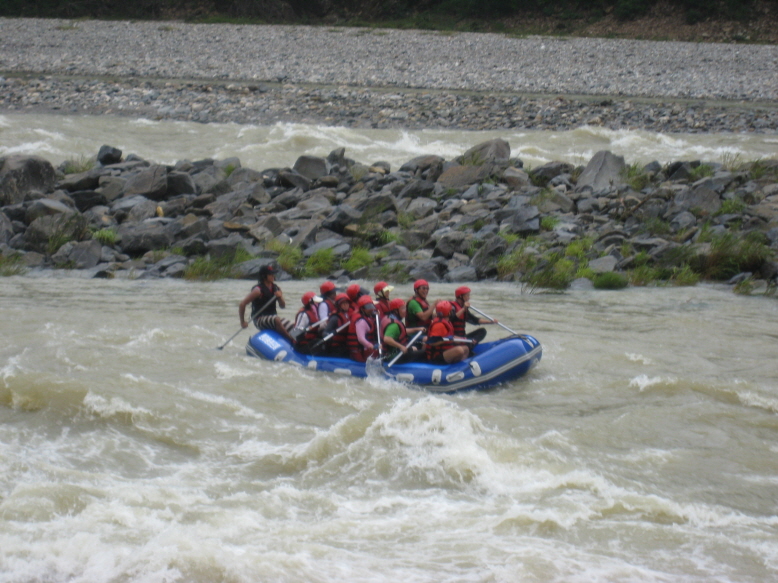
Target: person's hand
(279,295)
(244,324)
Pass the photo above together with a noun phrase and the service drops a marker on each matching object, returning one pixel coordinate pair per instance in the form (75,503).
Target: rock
(44,207)
(47,234)
(340,217)
(88,180)
(6,229)
(551,170)
(86,199)
(461,176)
(496,150)
(450,243)
(526,221)
(21,174)
(485,260)
(515,178)
(180,183)
(311,167)
(420,208)
(109,155)
(603,172)
(603,264)
(81,255)
(250,269)
(211,180)
(462,273)
(338,246)
(137,239)
(702,199)
(150,183)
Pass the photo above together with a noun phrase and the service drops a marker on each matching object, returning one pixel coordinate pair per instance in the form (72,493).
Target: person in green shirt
(419,310)
(394,334)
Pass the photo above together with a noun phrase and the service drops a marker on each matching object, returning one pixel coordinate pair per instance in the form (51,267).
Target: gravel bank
(377,78)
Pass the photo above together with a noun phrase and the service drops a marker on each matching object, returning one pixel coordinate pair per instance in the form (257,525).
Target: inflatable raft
(492,363)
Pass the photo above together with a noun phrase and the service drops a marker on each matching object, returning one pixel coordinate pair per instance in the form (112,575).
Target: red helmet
(380,287)
(460,291)
(420,282)
(443,309)
(396,304)
(363,301)
(308,298)
(326,287)
(353,291)
(341,297)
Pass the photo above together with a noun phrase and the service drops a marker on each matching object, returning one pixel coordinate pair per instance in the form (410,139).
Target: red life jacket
(382,305)
(436,352)
(310,336)
(356,350)
(412,321)
(339,342)
(386,320)
(459,324)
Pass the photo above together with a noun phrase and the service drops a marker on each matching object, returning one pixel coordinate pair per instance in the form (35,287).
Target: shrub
(77,165)
(207,269)
(579,248)
(557,273)
(731,206)
(289,257)
(730,255)
(322,262)
(636,176)
(516,260)
(360,257)
(684,276)
(548,223)
(610,280)
(11,265)
(105,236)
(701,171)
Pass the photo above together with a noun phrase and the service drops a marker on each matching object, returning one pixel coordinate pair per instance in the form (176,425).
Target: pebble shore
(383,78)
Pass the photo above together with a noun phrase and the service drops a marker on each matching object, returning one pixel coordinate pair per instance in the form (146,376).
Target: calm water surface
(642,448)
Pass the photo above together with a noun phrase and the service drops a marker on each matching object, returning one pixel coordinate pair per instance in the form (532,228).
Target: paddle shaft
(493,320)
(330,335)
(413,340)
(262,309)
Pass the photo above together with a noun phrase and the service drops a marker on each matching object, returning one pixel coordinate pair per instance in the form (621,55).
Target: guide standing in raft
(263,310)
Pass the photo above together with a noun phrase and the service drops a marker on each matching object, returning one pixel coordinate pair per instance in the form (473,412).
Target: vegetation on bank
(480,15)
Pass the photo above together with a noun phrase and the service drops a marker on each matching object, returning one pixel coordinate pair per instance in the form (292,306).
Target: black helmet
(266,270)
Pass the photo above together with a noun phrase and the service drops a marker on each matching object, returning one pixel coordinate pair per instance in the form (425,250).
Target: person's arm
(302,322)
(280,296)
(391,334)
(324,312)
(254,294)
(361,328)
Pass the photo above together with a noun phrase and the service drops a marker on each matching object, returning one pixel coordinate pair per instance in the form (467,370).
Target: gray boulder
(180,183)
(151,183)
(21,174)
(137,239)
(6,229)
(81,255)
(342,215)
(47,234)
(44,207)
(312,167)
(109,155)
(450,243)
(603,172)
(702,198)
(462,273)
(496,150)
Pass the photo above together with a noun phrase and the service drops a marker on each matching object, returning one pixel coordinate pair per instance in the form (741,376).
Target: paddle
(378,335)
(299,331)
(262,309)
(496,322)
(328,336)
(411,343)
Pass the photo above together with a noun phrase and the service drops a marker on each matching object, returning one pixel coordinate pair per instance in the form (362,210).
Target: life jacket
(382,305)
(391,351)
(339,342)
(356,350)
(459,324)
(309,336)
(332,309)
(386,320)
(411,321)
(435,353)
(259,302)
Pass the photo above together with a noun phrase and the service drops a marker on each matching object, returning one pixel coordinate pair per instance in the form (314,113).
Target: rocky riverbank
(383,78)
(480,216)
(268,103)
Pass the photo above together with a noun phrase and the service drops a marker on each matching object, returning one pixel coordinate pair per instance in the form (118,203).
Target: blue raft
(492,363)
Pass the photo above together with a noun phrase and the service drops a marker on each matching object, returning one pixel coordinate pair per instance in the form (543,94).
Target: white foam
(643,382)
(639,358)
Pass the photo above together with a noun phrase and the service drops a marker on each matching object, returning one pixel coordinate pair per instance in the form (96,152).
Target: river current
(642,447)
